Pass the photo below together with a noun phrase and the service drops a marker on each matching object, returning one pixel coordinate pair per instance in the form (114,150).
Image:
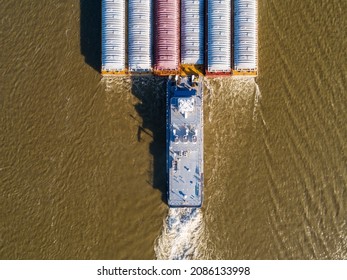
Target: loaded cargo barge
(184,139)
(167,37)
(245,38)
(192,37)
(180,37)
(218,62)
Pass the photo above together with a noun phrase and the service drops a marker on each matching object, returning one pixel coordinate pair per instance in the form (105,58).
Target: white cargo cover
(140,35)
(219,36)
(245,35)
(192,31)
(113,35)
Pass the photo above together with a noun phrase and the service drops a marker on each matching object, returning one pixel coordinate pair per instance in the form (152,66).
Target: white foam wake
(181,235)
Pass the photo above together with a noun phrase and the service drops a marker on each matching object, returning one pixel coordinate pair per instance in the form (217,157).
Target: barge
(113,50)
(245,38)
(218,61)
(140,45)
(180,37)
(192,37)
(167,37)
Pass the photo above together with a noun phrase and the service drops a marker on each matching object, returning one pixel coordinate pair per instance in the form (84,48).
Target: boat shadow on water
(149,90)
(90,32)
(151,94)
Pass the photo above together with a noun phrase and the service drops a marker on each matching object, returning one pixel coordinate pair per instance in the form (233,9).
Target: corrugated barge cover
(167,33)
(140,35)
(246,35)
(113,35)
(219,36)
(192,31)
